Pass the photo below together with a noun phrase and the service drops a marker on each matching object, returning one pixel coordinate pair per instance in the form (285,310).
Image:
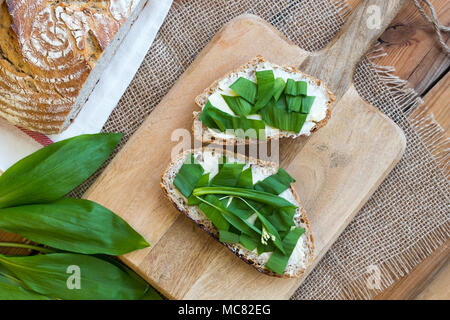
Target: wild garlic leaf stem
(26,246)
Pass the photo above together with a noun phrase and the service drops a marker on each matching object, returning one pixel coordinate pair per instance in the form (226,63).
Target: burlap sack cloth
(406,218)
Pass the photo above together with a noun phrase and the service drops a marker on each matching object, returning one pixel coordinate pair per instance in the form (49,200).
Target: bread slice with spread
(275,101)
(246,204)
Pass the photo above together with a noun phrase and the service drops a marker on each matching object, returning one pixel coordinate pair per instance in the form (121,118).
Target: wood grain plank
(413,50)
(439,286)
(430,283)
(184,249)
(336,63)
(410,286)
(412,46)
(435,103)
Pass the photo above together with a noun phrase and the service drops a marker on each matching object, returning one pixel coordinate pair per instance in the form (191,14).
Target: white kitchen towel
(15,143)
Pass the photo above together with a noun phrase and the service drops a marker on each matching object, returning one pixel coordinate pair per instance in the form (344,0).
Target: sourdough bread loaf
(52,54)
(319,115)
(303,253)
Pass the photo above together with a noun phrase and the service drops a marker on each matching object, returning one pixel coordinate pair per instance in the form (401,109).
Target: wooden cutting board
(337,169)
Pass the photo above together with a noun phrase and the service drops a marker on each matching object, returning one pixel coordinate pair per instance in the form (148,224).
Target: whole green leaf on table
(12,288)
(74,225)
(49,275)
(53,171)
(32,204)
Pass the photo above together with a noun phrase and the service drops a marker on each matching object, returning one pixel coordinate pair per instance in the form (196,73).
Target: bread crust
(207,137)
(52,54)
(212,231)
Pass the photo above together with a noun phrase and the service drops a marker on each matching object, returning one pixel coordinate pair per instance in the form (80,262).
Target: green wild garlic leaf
(291,88)
(12,288)
(279,220)
(49,275)
(276,183)
(150,293)
(238,105)
(203,182)
(75,225)
(228,175)
(295,88)
(302,88)
(259,196)
(307,103)
(278,260)
(211,207)
(188,176)
(239,208)
(229,237)
(294,103)
(265,82)
(60,167)
(245,88)
(282,119)
(238,223)
(269,232)
(246,179)
(215,118)
(278,88)
(248,242)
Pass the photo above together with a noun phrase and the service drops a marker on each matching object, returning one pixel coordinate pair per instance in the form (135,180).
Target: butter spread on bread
(315,116)
(212,161)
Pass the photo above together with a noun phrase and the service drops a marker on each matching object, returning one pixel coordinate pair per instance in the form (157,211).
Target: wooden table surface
(412,48)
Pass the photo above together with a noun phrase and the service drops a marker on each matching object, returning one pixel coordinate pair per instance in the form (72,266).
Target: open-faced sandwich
(248,205)
(262,100)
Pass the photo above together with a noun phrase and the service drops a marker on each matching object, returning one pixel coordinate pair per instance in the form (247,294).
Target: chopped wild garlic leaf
(281,105)
(253,215)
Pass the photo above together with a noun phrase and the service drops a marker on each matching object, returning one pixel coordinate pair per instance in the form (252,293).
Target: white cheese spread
(209,161)
(317,113)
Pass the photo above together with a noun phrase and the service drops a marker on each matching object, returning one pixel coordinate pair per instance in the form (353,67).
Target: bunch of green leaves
(75,232)
(252,214)
(282,105)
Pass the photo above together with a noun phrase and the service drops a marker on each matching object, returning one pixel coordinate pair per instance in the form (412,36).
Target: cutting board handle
(336,63)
